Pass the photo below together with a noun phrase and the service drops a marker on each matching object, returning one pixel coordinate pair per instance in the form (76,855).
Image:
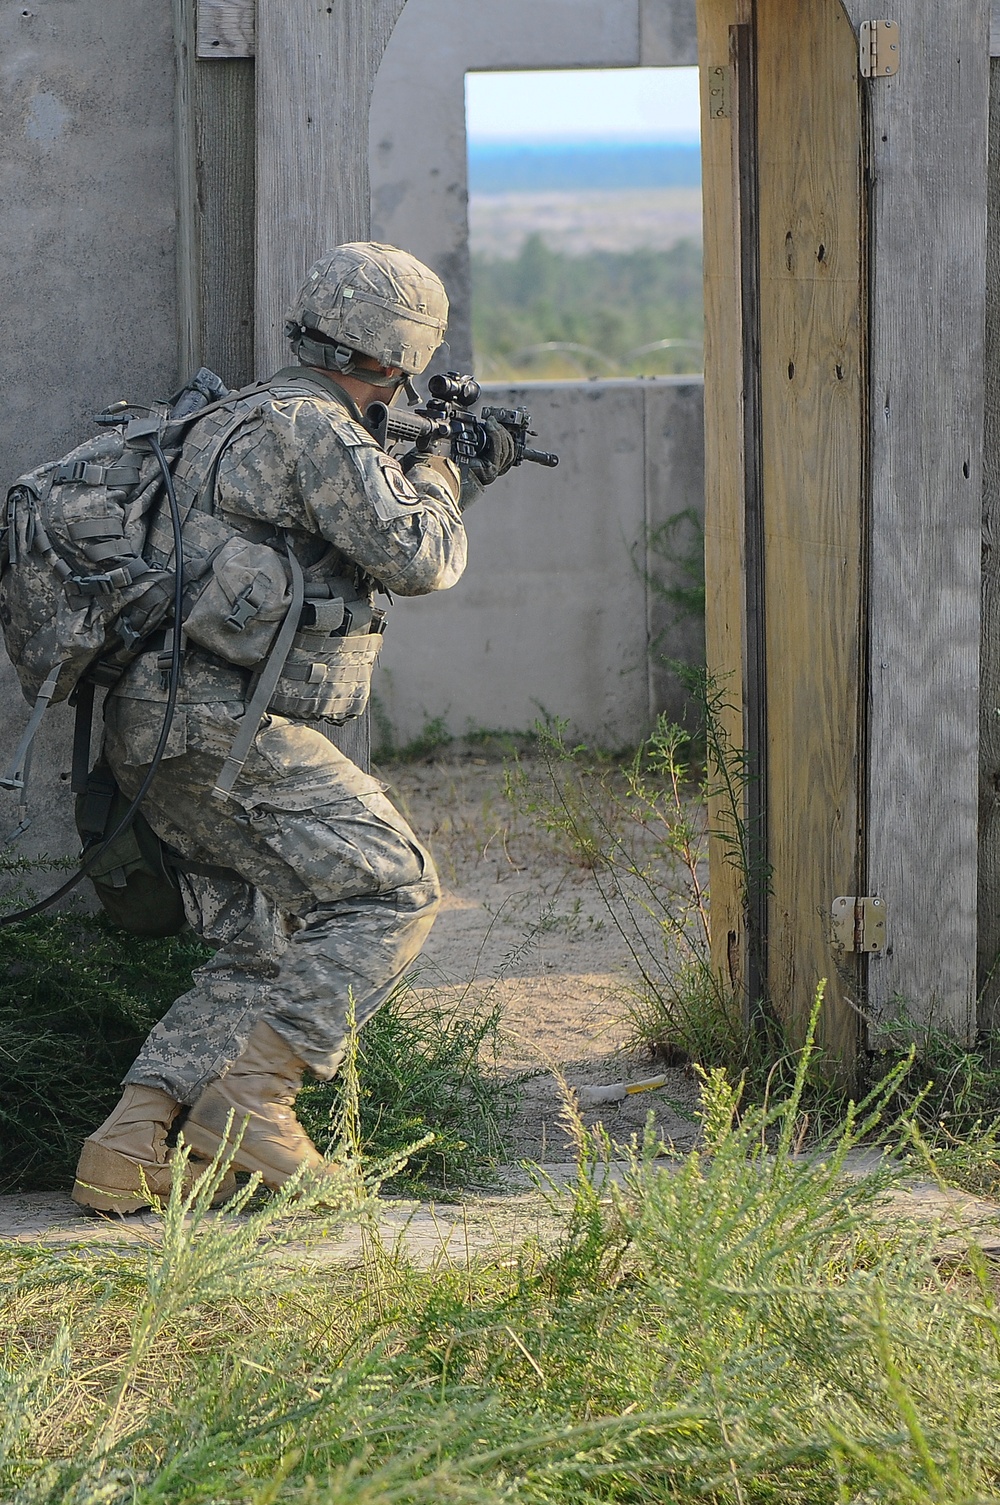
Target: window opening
(585,223)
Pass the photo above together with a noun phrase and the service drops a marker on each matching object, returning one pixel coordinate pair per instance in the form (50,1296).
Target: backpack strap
(265,688)
(17,773)
(83,726)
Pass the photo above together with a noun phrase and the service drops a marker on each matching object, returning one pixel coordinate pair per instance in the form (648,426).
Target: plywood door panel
(928,161)
(315,70)
(316,66)
(723,471)
(812,397)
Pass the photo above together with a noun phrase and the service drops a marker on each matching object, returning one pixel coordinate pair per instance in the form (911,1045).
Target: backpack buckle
(87,472)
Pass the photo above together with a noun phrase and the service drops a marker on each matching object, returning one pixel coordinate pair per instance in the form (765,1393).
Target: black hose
(168,716)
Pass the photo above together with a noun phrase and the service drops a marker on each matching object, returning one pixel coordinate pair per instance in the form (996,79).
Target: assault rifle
(445,417)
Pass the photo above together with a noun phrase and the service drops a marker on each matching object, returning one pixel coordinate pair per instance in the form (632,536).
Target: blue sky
(628,104)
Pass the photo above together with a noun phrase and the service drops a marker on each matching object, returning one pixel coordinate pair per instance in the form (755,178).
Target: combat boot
(256,1097)
(125,1163)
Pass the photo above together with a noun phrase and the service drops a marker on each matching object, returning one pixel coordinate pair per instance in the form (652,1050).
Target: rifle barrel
(541,457)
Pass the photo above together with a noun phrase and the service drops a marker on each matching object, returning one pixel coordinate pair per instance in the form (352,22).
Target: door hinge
(859,923)
(879,43)
(718,93)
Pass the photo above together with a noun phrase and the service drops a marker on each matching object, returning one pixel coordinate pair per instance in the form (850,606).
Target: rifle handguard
(465,430)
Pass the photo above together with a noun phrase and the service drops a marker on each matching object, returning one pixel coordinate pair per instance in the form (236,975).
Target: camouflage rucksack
(81,590)
(79,594)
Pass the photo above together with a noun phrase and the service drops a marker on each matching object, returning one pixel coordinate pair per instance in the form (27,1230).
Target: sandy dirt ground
(524,924)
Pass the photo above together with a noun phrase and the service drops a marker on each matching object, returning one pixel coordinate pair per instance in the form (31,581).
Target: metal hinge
(718,93)
(879,41)
(859,923)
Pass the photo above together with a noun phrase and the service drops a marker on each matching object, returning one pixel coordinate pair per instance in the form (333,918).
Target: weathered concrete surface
(417,141)
(87,270)
(563,595)
(48,815)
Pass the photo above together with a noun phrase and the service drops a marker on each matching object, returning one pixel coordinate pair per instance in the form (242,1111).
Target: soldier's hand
(498,456)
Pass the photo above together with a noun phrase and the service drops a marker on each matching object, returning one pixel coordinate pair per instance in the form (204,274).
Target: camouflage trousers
(334,900)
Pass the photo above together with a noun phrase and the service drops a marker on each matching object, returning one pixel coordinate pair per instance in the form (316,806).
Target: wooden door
(786,521)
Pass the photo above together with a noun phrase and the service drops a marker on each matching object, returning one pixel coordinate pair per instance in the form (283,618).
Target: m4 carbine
(445,420)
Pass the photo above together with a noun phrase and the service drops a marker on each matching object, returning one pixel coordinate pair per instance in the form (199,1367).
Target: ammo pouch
(242,605)
(327,674)
(136,888)
(135,879)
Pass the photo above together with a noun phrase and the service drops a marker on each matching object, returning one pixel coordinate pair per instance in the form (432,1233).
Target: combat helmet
(368,299)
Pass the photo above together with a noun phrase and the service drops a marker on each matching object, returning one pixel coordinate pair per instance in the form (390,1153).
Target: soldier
(332,895)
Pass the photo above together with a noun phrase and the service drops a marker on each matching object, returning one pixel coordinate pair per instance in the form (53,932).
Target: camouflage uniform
(336,895)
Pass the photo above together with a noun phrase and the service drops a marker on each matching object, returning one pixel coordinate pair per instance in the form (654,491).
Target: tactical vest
(241,585)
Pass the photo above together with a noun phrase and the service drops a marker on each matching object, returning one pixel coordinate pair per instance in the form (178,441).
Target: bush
(607,311)
(77,999)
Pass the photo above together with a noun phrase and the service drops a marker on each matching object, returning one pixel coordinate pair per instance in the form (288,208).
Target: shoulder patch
(401,488)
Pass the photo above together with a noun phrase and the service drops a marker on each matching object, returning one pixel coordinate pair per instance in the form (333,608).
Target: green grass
(77,998)
(739,1328)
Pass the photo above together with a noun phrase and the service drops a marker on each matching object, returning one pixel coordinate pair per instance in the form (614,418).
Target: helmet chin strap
(342,361)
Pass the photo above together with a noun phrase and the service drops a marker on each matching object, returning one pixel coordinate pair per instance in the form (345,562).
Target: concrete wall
(87,267)
(563,610)
(417,142)
(87,248)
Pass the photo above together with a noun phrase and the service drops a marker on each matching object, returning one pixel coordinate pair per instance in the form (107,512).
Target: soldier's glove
(498,456)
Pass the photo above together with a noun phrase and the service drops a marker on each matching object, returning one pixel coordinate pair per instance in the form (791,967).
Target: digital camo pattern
(338,897)
(376,299)
(312,468)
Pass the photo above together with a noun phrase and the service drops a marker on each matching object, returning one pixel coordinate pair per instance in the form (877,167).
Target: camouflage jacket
(303,463)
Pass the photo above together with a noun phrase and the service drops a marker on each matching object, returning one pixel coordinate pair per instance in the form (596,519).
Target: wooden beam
(988,980)
(186,170)
(928,171)
(812,404)
(316,66)
(226,29)
(224,138)
(724,486)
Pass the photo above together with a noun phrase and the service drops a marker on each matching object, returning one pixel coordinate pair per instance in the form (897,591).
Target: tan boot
(258,1091)
(126,1163)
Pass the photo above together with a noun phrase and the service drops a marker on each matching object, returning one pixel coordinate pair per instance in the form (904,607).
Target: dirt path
(523,922)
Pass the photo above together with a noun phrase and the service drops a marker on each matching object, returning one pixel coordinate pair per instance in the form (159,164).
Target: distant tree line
(549,314)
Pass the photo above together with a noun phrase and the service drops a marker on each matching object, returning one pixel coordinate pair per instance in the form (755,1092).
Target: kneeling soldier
(333,895)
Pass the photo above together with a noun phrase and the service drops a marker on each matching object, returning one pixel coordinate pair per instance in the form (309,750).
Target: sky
(629,104)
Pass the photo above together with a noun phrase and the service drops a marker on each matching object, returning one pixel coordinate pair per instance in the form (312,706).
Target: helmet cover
(374,299)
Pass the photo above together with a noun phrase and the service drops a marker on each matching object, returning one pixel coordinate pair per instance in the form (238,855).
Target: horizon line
(676,138)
